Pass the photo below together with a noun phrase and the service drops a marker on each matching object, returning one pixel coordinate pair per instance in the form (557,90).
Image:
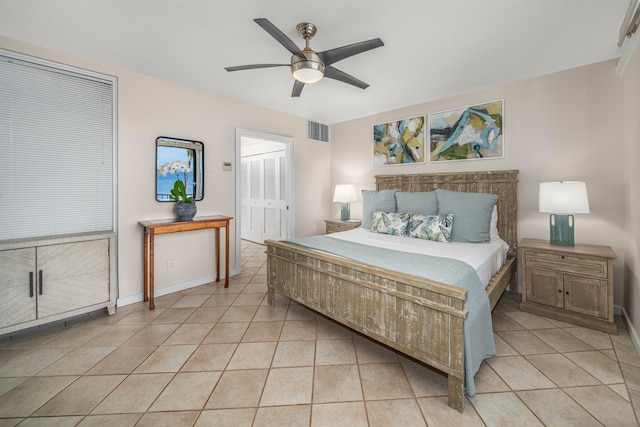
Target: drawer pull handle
(562,257)
(41,279)
(31,284)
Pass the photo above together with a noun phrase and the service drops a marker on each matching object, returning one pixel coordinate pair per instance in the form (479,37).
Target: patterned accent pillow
(431,227)
(390,223)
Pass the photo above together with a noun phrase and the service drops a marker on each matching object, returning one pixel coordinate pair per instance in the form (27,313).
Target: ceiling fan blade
(297,88)
(251,67)
(334,55)
(334,73)
(279,36)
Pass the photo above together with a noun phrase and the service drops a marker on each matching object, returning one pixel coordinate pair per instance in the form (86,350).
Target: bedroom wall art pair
(472,132)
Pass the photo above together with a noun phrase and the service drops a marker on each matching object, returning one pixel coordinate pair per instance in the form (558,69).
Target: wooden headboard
(504,183)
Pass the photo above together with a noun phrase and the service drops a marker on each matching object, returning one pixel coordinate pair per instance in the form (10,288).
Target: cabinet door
(74,275)
(544,287)
(16,303)
(586,296)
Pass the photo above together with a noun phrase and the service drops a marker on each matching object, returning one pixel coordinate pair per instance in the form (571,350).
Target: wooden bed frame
(396,308)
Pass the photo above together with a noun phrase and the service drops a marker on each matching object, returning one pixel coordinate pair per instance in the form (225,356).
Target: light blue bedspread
(478,340)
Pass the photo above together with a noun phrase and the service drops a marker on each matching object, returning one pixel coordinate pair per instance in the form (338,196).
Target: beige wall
(631,157)
(563,126)
(149,107)
(568,125)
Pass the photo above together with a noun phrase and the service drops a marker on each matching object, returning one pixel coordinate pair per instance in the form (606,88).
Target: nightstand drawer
(334,228)
(337,225)
(568,264)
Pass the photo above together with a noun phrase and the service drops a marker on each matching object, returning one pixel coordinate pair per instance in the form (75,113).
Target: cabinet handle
(31,284)
(559,291)
(562,257)
(40,282)
(567,292)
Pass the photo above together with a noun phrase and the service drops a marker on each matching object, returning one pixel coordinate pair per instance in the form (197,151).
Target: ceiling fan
(308,66)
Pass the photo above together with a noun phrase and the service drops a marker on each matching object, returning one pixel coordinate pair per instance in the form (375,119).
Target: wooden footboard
(418,317)
(421,318)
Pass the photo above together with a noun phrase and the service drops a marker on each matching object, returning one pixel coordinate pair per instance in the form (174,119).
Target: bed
(420,317)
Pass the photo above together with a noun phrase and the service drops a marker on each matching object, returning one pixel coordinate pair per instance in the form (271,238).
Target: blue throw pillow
(423,203)
(472,213)
(384,200)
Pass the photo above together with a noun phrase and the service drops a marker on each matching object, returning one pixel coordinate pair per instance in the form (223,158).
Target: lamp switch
(226,166)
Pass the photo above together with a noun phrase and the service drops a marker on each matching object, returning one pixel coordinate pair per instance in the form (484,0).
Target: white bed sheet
(485,258)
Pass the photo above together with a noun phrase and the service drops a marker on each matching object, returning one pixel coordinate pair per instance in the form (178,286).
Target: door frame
(289,165)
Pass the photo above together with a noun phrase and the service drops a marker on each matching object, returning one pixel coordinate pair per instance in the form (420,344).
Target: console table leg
(217,230)
(226,257)
(152,305)
(145,268)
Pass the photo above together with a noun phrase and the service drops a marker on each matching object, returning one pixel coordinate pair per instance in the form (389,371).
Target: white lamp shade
(563,197)
(345,193)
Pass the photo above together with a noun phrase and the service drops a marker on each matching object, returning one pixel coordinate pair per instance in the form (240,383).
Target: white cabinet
(54,278)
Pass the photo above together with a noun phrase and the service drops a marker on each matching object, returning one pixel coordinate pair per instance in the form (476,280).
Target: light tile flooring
(211,356)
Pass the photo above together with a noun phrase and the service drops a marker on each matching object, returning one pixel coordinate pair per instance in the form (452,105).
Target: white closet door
(264,197)
(251,199)
(275,197)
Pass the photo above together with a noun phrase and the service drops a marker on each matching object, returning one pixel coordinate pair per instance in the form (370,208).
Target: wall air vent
(317,131)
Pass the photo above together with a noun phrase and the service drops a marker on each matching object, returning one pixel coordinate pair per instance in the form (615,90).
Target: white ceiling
(433,49)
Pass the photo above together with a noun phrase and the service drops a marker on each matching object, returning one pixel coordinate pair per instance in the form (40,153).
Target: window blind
(57,149)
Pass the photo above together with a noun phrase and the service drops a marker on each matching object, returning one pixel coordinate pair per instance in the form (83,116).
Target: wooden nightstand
(335,225)
(573,284)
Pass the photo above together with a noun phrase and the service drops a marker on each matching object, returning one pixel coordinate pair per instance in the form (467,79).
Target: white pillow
(493,224)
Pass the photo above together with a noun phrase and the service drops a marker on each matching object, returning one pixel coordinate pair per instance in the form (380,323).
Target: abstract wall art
(466,133)
(399,143)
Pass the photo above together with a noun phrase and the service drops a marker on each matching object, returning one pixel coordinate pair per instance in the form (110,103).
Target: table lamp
(345,193)
(561,200)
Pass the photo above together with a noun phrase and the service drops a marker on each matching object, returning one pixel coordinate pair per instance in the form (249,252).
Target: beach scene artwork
(173,163)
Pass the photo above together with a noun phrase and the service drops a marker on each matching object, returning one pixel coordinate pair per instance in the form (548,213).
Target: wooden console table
(165,226)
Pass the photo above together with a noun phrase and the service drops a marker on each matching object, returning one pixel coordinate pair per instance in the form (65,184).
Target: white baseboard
(121,302)
(632,331)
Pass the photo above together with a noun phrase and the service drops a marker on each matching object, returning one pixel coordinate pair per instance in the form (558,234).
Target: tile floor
(211,356)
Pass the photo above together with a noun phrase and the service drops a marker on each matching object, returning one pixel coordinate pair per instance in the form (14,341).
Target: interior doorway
(265,187)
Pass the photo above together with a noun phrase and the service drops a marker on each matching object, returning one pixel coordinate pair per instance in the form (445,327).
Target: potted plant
(185,206)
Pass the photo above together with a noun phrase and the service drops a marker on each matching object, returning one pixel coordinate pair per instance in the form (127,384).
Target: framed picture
(466,133)
(399,143)
(179,159)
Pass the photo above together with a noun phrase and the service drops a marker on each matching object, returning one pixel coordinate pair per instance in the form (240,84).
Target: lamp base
(345,212)
(561,229)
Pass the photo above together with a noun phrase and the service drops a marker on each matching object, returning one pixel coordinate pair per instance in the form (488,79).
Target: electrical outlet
(171,265)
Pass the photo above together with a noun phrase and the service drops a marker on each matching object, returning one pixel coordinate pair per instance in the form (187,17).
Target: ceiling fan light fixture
(310,70)
(306,65)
